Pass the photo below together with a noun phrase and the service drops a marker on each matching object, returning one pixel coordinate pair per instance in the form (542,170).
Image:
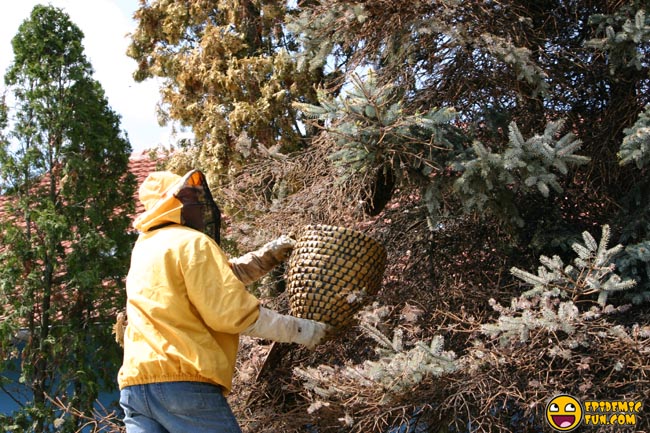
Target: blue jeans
(177,407)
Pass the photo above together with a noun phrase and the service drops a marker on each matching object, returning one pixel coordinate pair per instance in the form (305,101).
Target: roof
(140,165)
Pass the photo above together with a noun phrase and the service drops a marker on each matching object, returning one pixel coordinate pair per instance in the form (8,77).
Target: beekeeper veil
(199,210)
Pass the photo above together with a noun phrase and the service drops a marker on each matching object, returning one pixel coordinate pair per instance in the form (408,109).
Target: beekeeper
(186,306)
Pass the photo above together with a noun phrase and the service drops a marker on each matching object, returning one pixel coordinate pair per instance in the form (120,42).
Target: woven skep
(332,272)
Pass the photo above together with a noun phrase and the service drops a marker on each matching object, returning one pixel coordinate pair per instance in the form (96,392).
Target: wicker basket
(332,273)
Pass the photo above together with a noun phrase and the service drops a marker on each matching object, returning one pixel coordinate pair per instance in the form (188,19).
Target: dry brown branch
(100,421)
(282,195)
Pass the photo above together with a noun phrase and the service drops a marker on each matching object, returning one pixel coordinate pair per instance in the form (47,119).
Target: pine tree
(65,244)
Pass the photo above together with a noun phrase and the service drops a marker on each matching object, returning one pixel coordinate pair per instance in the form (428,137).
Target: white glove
(280,248)
(287,329)
(254,265)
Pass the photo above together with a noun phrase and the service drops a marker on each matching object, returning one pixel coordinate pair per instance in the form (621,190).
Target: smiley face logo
(564,413)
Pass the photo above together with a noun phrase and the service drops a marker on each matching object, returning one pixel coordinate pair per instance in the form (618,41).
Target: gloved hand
(287,329)
(254,265)
(119,327)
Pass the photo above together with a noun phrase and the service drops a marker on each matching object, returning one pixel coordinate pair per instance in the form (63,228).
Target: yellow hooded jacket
(185,306)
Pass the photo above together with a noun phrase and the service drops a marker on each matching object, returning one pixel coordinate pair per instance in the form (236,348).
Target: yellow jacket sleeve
(220,298)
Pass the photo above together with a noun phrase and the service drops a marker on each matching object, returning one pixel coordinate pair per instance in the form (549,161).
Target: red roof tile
(140,165)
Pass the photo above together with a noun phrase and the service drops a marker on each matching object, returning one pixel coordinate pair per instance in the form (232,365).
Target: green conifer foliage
(65,241)
(624,31)
(498,63)
(592,272)
(372,134)
(380,384)
(636,144)
(493,180)
(635,264)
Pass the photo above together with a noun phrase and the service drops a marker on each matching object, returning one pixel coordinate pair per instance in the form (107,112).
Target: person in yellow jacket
(186,306)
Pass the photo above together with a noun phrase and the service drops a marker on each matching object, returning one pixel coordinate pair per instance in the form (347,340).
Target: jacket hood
(168,199)
(160,206)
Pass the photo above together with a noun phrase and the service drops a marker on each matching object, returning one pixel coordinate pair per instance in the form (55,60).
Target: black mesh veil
(199,211)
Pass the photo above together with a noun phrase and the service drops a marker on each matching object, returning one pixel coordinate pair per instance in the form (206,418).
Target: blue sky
(106,24)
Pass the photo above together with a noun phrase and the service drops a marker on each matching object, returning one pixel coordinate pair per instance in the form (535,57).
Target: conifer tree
(228,72)
(373,134)
(561,73)
(65,241)
(233,68)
